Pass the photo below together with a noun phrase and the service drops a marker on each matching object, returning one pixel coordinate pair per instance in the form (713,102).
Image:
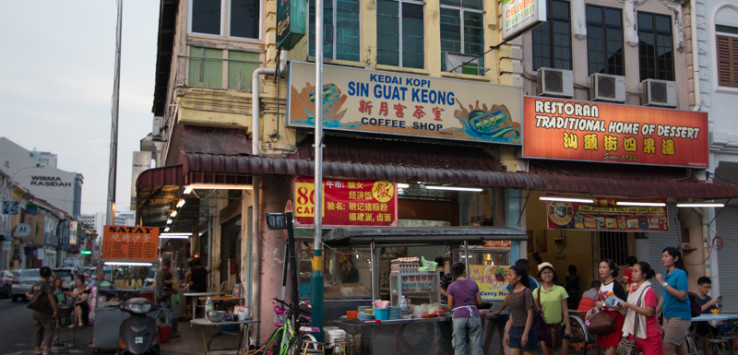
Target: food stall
(487,250)
(127,253)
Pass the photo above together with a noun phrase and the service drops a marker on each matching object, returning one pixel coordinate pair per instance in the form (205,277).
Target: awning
(449,235)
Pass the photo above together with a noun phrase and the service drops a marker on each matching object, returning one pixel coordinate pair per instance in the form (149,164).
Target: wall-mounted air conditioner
(555,82)
(605,87)
(658,93)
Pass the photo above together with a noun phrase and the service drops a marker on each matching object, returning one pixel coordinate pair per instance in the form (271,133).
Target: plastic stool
(731,339)
(344,346)
(307,348)
(716,345)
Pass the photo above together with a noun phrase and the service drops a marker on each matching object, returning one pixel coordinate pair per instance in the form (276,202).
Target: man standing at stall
(166,286)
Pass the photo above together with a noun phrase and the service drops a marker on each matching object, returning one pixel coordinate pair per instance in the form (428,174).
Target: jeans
(470,328)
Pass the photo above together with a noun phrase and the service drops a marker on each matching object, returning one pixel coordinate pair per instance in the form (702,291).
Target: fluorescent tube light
(124,263)
(219,187)
(173,214)
(454,188)
(166,229)
(701,204)
(566,199)
(188,190)
(181,203)
(169,221)
(640,204)
(402,185)
(174,235)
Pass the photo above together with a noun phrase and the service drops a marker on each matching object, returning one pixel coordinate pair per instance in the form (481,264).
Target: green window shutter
(388,44)
(206,68)
(348,40)
(240,67)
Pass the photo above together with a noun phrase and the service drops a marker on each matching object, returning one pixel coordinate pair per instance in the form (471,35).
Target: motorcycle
(138,333)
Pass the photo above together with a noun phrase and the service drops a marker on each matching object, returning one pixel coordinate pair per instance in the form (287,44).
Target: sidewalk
(190,341)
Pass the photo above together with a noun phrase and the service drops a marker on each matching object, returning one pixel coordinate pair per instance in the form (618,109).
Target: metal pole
(316,280)
(113,161)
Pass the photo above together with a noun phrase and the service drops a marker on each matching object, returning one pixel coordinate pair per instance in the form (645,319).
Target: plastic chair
(716,345)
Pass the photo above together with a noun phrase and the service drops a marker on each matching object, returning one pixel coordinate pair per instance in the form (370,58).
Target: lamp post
(8,199)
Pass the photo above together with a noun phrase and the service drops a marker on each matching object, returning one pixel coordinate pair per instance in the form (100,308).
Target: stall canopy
(393,235)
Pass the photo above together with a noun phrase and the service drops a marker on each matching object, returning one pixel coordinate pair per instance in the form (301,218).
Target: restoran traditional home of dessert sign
(126,243)
(595,131)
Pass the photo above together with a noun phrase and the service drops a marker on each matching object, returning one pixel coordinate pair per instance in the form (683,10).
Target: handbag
(627,346)
(40,301)
(601,323)
(538,322)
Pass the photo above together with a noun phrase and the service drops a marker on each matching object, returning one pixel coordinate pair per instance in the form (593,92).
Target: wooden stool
(344,346)
(308,348)
(716,346)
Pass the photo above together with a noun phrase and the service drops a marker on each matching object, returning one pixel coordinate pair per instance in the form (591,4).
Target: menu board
(130,243)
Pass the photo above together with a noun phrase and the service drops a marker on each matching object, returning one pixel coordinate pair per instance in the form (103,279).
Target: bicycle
(285,340)
(580,339)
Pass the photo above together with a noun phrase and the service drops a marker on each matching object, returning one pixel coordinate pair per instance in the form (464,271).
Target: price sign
(130,243)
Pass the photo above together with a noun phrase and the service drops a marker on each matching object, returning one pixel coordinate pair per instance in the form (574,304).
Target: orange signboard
(595,131)
(130,243)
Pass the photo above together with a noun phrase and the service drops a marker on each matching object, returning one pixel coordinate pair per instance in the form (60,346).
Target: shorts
(652,345)
(516,335)
(675,330)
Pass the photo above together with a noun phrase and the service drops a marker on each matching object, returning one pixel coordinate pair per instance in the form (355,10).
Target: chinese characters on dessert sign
(605,215)
(371,101)
(130,243)
(347,202)
(595,131)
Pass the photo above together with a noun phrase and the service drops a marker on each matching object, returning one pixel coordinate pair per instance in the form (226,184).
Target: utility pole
(316,280)
(113,162)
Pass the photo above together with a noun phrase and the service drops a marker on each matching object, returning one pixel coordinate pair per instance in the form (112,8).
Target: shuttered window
(727,56)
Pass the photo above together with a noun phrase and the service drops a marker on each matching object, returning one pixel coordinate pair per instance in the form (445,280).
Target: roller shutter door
(658,241)
(727,227)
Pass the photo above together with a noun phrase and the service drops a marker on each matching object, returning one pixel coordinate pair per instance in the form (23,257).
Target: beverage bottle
(403,307)
(208,306)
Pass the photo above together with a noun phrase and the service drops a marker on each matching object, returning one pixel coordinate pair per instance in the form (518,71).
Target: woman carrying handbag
(609,340)
(641,322)
(552,300)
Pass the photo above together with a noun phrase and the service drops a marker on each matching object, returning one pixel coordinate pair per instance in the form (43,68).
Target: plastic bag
(427,266)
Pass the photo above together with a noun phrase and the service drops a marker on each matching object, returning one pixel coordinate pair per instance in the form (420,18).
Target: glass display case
(488,264)
(417,287)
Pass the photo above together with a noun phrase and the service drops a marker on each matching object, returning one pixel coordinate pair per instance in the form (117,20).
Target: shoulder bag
(600,323)
(627,346)
(40,301)
(538,321)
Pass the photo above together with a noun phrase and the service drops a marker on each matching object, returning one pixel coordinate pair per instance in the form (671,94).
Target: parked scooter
(138,333)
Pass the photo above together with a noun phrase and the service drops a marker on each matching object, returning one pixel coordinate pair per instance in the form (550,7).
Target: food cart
(488,251)
(127,253)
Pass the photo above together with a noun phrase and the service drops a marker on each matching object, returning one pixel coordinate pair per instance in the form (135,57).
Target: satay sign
(130,243)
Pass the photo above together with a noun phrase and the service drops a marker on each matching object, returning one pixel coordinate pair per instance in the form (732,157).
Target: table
(706,317)
(203,322)
(195,295)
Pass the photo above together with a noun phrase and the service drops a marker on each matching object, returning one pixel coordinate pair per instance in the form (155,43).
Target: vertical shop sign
(605,215)
(130,243)
(520,15)
(290,22)
(347,202)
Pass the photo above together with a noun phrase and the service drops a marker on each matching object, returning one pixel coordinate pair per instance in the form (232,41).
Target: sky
(56,85)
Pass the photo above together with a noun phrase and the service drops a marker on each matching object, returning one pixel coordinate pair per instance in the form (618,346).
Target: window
(552,39)
(655,48)
(206,68)
(605,40)
(225,18)
(462,32)
(400,33)
(727,55)
(614,246)
(341,38)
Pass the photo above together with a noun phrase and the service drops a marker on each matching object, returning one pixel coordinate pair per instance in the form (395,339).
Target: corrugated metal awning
(451,235)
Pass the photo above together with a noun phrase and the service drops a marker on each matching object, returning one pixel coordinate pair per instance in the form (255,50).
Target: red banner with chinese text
(595,131)
(605,215)
(347,202)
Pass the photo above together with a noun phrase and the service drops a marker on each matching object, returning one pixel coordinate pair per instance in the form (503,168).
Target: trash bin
(164,331)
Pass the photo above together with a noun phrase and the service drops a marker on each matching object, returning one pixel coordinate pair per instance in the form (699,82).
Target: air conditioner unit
(604,87)
(658,93)
(158,124)
(555,82)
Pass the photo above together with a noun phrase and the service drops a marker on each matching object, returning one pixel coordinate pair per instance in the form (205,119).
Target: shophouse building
(426,95)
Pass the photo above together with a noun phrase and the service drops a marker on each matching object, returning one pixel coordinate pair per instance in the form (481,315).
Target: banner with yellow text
(605,215)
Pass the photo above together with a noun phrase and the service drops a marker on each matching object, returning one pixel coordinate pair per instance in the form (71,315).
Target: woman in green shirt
(553,301)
